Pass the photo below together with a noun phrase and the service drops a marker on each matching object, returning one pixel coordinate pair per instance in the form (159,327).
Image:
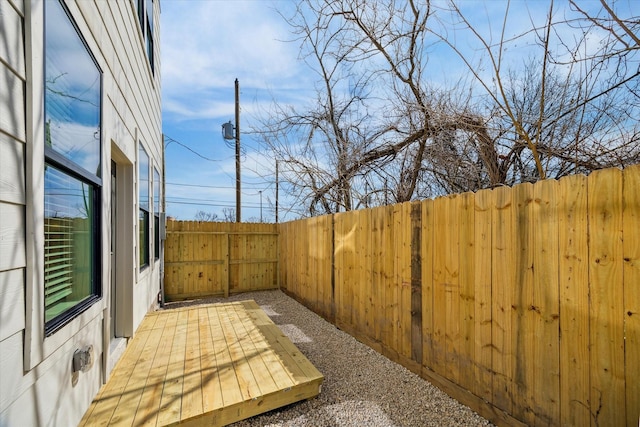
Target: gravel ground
(361,387)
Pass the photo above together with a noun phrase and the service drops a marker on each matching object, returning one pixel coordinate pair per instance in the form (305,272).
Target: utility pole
(260,205)
(238,216)
(276,191)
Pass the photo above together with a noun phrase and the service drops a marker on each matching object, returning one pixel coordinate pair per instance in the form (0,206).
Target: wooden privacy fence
(523,302)
(219,258)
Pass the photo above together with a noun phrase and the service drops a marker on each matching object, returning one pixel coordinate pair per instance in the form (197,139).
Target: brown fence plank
(389,313)
(351,288)
(523,312)
(427,283)
(377,272)
(482,386)
(416,282)
(363,254)
(452,286)
(340,276)
(402,226)
(503,281)
(631,256)
(546,393)
(606,297)
(311,242)
(466,262)
(440,313)
(573,270)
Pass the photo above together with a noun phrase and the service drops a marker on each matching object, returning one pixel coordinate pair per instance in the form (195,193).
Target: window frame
(144,252)
(69,168)
(156,214)
(144,12)
(150,44)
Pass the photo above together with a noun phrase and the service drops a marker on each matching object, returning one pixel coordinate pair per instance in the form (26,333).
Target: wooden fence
(215,258)
(523,302)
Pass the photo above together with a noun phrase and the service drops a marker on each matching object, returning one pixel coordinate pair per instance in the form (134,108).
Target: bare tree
(317,145)
(564,110)
(229,214)
(379,131)
(206,216)
(369,124)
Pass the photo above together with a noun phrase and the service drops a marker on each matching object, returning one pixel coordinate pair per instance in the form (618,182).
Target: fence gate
(205,259)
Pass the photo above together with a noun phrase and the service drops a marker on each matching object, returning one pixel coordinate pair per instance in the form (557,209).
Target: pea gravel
(361,387)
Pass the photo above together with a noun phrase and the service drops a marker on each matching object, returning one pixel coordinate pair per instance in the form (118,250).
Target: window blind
(68,246)
(58,260)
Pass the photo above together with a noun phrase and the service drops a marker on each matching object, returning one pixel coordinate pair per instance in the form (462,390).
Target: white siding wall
(35,371)
(12,197)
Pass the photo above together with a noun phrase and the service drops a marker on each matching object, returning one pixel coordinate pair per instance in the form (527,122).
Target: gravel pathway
(361,387)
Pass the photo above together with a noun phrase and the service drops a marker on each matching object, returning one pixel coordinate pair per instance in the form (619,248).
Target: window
(145,18)
(149,34)
(143,202)
(141,7)
(156,213)
(72,182)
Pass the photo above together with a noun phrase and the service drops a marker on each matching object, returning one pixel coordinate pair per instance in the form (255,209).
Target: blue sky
(207,44)
(205,47)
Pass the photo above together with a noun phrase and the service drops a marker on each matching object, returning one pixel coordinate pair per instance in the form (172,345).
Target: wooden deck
(204,365)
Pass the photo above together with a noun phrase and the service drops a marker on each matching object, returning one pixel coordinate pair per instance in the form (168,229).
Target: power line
(221,205)
(217,186)
(203,199)
(188,148)
(261,187)
(255,192)
(170,139)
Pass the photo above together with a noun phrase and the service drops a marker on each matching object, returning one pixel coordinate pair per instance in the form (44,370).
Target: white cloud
(209,44)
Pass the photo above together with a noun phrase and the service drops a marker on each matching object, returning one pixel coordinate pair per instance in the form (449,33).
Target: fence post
(277,255)
(227,266)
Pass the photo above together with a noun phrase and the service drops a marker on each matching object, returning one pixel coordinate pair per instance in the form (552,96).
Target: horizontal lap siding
(11,302)
(529,298)
(12,198)
(131,108)
(12,120)
(133,94)
(12,177)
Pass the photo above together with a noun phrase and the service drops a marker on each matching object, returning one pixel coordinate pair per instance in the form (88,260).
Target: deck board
(211,364)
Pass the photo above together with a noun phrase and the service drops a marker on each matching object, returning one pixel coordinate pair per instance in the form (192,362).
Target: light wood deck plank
(280,376)
(294,361)
(252,357)
(212,364)
(149,406)
(248,385)
(103,407)
(137,381)
(211,391)
(228,380)
(170,402)
(191,390)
